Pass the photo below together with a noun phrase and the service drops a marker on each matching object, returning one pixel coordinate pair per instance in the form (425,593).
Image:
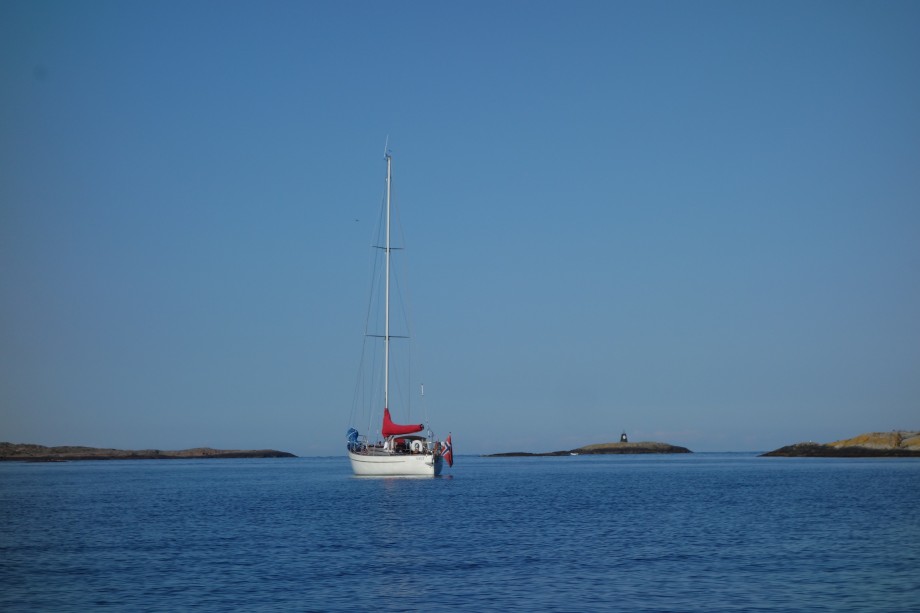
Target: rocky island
(39,453)
(899,443)
(601,449)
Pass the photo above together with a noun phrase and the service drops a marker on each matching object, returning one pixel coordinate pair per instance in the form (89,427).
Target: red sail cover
(390,429)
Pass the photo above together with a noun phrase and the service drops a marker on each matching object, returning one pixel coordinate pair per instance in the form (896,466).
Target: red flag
(447,451)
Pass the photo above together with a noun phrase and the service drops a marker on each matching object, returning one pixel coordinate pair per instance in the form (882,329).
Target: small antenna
(386,147)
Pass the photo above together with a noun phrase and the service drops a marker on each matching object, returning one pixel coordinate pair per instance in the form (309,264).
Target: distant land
(600,449)
(898,444)
(39,453)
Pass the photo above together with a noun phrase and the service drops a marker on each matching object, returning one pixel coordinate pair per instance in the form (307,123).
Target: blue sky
(695,221)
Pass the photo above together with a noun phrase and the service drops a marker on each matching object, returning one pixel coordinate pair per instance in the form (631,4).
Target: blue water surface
(700,532)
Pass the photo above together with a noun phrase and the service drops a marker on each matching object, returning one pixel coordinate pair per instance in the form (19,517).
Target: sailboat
(397,449)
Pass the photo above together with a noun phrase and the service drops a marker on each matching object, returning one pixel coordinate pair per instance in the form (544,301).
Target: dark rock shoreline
(600,449)
(39,453)
(895,444)
(817,450)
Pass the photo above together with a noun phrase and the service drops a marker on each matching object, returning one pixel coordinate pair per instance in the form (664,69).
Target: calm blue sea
(701,532)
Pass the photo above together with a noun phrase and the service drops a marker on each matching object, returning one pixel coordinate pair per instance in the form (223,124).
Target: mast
(386,332)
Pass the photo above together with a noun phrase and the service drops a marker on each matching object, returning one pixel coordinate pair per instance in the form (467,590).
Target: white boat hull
(395,464)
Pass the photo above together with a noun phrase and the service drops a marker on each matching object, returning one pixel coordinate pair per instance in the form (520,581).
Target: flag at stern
(447,451)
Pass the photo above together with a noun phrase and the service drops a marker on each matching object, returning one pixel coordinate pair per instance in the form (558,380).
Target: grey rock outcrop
(602,449)
(39,453)
(898,443)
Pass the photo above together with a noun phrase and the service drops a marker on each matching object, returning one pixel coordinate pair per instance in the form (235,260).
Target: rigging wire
(369,383)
